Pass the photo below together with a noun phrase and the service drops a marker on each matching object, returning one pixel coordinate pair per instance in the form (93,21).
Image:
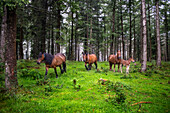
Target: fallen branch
(140,103)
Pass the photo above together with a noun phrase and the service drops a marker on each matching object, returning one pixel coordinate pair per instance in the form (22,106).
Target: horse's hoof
(56,76)
(110,69)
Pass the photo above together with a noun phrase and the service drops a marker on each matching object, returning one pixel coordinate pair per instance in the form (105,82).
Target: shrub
(33,73)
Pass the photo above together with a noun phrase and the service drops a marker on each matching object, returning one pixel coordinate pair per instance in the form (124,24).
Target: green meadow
(82,91)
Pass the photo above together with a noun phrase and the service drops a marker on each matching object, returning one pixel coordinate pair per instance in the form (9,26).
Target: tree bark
(166,32)
(10,49)
(123,47)
(52,41)
(158,61)
(149,30)
(58,26)
(20,44)
(113,29)
(3,33)
(72,34)
(144,34)
(130,36)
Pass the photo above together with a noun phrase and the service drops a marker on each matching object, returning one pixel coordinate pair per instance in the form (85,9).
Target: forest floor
(79,90)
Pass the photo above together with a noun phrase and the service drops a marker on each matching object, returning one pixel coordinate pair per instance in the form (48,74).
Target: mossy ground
(89,94)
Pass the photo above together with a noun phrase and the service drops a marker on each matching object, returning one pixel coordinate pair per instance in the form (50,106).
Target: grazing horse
(127,63)
(53,61)
(89,59)
(115,59)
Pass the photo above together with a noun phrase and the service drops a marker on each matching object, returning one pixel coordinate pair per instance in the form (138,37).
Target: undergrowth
(80,90)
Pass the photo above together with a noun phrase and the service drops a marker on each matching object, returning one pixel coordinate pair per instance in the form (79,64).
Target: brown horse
(89,59)
(53,61)
(115,59)
(127,63)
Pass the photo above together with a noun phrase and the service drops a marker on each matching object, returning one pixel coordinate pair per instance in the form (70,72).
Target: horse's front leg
(86,66)
(61,69)
(56,72)
(110,66)
(96,64)
(118,67)
(121,67)
(114,67)
(90,65)
(46,72)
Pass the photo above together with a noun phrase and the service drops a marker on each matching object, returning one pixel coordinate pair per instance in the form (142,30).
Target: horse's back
(60,56)
(112,58)
(93,58)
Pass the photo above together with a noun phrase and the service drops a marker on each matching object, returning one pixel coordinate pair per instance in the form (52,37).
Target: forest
(91,43)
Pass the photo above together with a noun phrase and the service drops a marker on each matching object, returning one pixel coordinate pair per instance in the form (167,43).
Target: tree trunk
(130,36)
(134,33)
(10,49)
(144,51)
(58,26)
(158,61)
(123,47)
(90,49)
(52,41)
(166,32)
(113,29)
(72,34)
(3,33)
(43,24)
(20,44)
(149,30)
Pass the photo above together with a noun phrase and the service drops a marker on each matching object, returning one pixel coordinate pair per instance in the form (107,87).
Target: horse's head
(85,57)
(132,60)
(118,54)
(41,57)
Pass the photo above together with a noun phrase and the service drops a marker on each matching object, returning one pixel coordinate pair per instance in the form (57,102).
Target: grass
(79,90)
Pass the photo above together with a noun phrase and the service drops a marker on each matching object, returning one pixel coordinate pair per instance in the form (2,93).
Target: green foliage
(33,74)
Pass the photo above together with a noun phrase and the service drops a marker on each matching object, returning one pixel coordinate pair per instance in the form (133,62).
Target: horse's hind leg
(64,66)
(90,65)
(114,67)
(95,64)
(110,66)
(56,72)
(61,70)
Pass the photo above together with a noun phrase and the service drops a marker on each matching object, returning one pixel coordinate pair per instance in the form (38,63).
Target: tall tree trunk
(113,29)
(43,24)
(10,49)
(123,47)
(130,36)
(86,36)
(144,51)
(20,44)
(141,37)
(134,33)
(72,34)
(158,61)
(76,39)
(90,49)
(52,41)
(3,33)
(166,32)
(58,26)
(149,30)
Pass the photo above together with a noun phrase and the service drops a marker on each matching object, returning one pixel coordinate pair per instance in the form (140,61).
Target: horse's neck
(129,60)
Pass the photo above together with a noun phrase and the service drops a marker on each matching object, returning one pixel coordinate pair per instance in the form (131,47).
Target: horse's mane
(48,58)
